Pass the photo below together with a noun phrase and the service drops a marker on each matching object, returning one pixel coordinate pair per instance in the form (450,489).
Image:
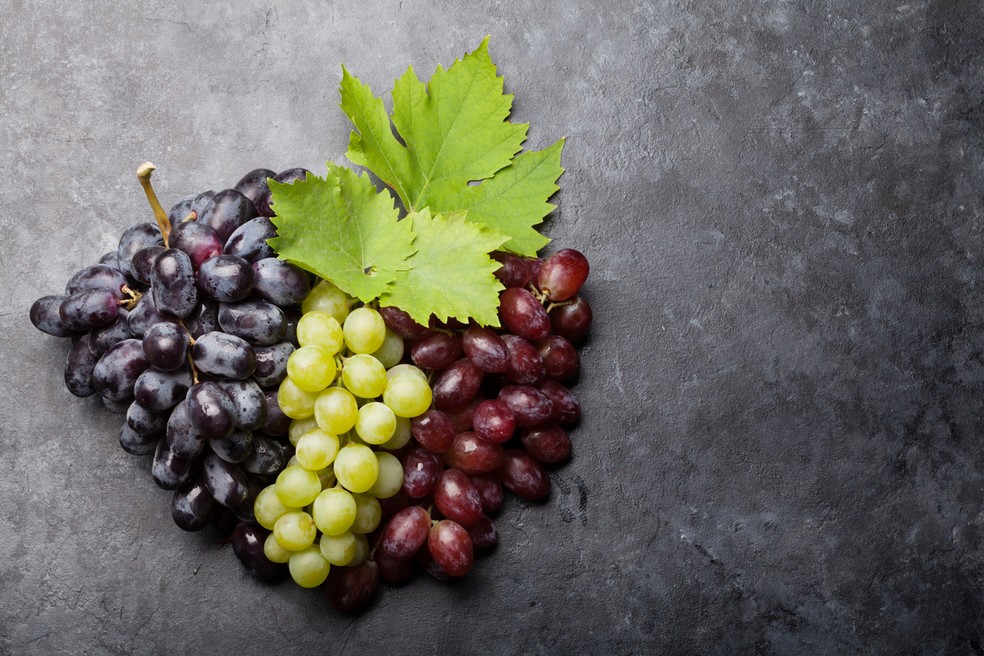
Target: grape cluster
(188,328)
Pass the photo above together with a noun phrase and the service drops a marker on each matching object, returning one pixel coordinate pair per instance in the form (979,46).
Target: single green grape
(295,402)
(364,330)
(297,486)
(268,508)
(368,513)
(339,549)
(299,427)
(407,395)
(336,410)
(376,423)
(364,376)
(311,368)
(390,478)
(274,551)
(308,568)
(391,351)
(317,328)
(316,449)
(295,530)
(356,467)
(401,436)
(361,549)
(326,297)
(334,511)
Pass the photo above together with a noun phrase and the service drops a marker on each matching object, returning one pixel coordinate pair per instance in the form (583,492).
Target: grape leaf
(451,274)
(341,228)
(453,131)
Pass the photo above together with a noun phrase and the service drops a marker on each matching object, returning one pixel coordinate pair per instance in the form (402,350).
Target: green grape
(368,513)
(361,549)
(268,508)
(391,352)
(311,368)
(407,395)
(297,486)
(326,297)
(299,427)
(339,549)
(376,423)
(308,568)
(274,551)
(334,511)
(295,402)
(364,330)
(401,436)
(402,369)
(336,410)
(295,530)
(319,328)
(364,376)
(316,449)
(356,467)
(390,478)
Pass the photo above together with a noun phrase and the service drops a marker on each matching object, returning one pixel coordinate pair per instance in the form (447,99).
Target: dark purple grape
(349,588)
(162,390)
(421,469)
(173,284)
(46,318)
(280,282)
(89,309)
(182,437)
(249,241)
(197,240)
(426,561)
(394,570)
(277,423)
(98,276)
(405,533)
(457,385)
(143,263)
(144,421)
(247,543)
(166,346)
(485,349)
(244,511)
(484,536)
(258,322)
(112,258)
(493,421)
(490,490)
(461,418)
(226,278)
(548,444)
(560,358)
(451,547)
(228,356)
(212,412)
(522,314)
(572,321)
(401,323)
(529,405)
(168,470)
(225,481)
(264,204)
(254,184)
(180,210)
(524,476)
(436,350)
(271,363)
(136,238)
(235,447)
(515,270)
(79,366)
(433,430)
(192,505)
(562,274)
(103,337)
(117,371)
(269,457)
(457,497)
(524,365)
(228,210)
(203,319)
(473,455)
(198,205)
(137,444)
(250,402)
(565,408)
(145,315)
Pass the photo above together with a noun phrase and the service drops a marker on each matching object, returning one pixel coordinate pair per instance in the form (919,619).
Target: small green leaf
(451,274)
(341,228)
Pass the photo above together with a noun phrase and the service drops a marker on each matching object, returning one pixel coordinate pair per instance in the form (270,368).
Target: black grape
(228,210)
(89,309)
(46,318)
(134,239)
(166,346)
(192,505)
(258,322)
(228,356)
(250,402)
(79,367)
(161,390)
(226,278)
(169,470)
(227,482)
(117,371)
(173,284)
(249,241)
(280,282)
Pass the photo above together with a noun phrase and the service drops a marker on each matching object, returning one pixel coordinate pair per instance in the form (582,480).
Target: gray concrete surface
(782,203)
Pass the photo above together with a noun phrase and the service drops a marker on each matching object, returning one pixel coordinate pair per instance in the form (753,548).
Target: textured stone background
(782,204)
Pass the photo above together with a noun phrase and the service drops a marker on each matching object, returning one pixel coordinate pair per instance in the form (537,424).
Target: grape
(295,402)
(235,447)
(145,315)
(338,549)
(493,421)
(274,552)
(364,376)
(134,239)
(405,533)
(472,455)
(142,264)
(490,490)
(562,274)
(145,422)
(433,430)
(451,547)
(401,436)
(225,481)
(297,487)
(254,184)
(268,508)
(560,358)
(247,543)
(572,321)
(390,478)
(461,418)
(162,390)
(375,423)
(367,513)
(136,443)
(203,319)
(311,368)
(79,367)
(457,497)
(524,476)
(336,410)
(98,276)
(484,535)
(249,241)
(226,278)
(300,427)
(249,401)
(111,258)
(328,298)
(334,511)
(170,471)
(350,588)
(46,318)
(391,352)
(524,364)
(523,315)
(219,354)
(364,330)
(180,210)
(401,323)
(436,350)
(280,282)
(485,349)
(101,338)
(173,284)
(182,437)
(244,510)
(196,240)
(548,444)
(308,567)
(514,272)
(88,309)
(258,322)
(269,457)
(421,469)
(318,328)
(228,210)
(277,423)
(116,372)
(457,384)
(529,405)
(212,412)
(166,346)
(271,363)
(393,570)
(356,467)
(316,449)
(192,505)
(295,530)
